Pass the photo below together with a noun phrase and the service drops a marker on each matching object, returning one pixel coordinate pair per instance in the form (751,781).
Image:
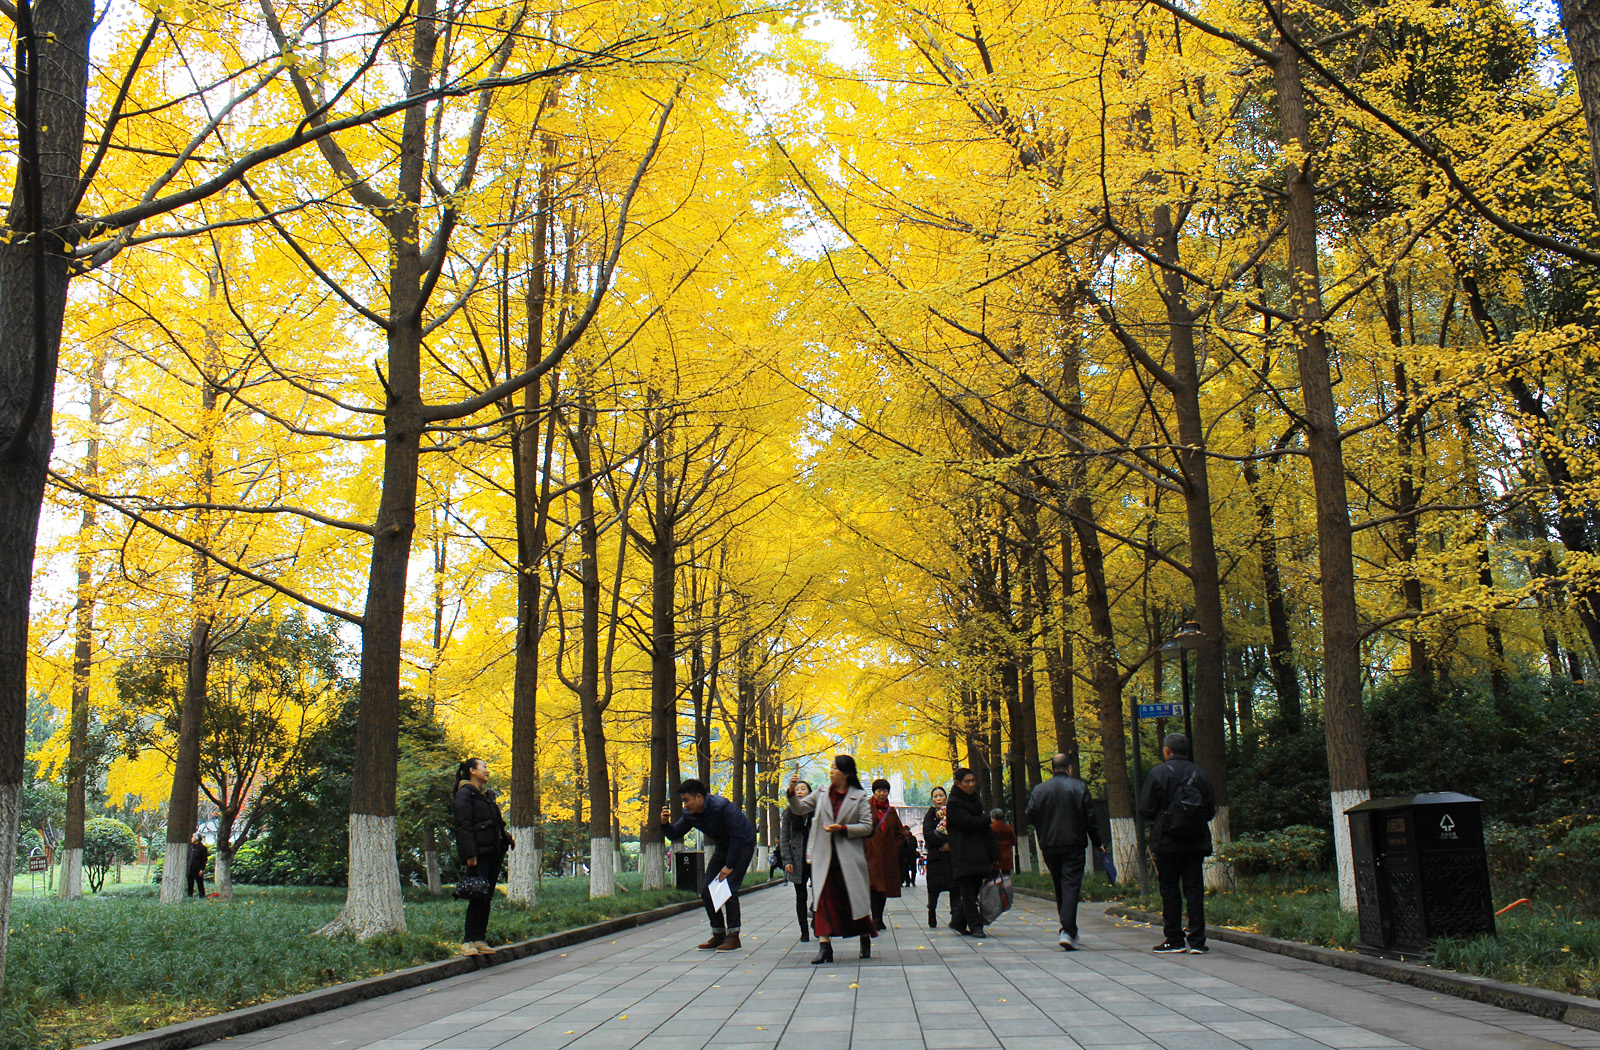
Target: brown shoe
(729,944)
(714,943)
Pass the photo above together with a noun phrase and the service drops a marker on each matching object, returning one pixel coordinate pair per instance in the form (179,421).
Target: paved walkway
(922,990)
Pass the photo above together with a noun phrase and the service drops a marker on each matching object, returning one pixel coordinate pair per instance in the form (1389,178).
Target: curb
(1554,1006)
(203,1030)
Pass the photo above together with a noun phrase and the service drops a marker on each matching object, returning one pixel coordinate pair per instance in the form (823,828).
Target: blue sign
(1160,710)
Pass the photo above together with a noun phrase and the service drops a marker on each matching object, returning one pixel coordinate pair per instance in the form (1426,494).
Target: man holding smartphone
(733,845)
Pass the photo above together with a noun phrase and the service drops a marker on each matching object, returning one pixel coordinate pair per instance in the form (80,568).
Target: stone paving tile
(922,990)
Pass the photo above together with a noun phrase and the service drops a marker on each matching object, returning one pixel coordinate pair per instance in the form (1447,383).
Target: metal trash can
(1421,871)
(689,869)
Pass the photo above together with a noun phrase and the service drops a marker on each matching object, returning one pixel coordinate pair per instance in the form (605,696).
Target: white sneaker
(1063,940)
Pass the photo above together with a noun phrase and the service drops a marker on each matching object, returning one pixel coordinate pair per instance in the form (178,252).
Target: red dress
(832,916)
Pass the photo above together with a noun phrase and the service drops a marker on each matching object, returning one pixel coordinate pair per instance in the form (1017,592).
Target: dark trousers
(488,867)
(1066,872)
(726,920)
(965,909)
(801,911)
(195,882)
(933,906)
(879,900)
(1182,878)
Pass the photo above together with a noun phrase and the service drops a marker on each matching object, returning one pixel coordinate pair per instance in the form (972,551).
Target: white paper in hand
(720,892)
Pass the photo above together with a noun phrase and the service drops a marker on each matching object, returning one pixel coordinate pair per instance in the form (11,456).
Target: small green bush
(1297,847)
(105,842)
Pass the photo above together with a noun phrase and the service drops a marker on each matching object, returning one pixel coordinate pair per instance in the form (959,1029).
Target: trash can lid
(1428,798)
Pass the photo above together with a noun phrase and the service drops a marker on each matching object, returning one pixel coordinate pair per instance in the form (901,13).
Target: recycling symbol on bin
(1447,827)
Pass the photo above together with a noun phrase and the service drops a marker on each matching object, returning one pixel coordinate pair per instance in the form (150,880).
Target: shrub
(1297,847)
(1569,867)
(1511,849)
(105,842)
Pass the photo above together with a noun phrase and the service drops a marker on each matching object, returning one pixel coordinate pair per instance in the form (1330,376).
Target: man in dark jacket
(198,855)
(733,844)
(1177,805)
(973,852)
(1062,813)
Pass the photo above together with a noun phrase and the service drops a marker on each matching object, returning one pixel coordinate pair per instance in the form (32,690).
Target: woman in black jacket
(935,836)
(973,852)
(481,844)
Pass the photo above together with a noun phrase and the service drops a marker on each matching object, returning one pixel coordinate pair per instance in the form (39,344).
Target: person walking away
(973,853)
(883,851)
(1005,839)
(481,844)
(794,835)
(1177,805)
(936,877)
(1062,813)
(842,891)
(908,857)
(733,845)
(198,855)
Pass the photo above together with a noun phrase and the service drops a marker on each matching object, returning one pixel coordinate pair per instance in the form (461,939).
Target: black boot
(933,920)
(824,953)
(805,933)
(866,946)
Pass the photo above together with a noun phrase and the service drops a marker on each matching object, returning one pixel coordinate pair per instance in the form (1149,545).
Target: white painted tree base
(10,814)
(1219,876)
(71,886)
(372,904)
(430,858)
(1024,853)
(174,872)
(222,876)
(1343,858)
(653,866)
(1124,849)
(602,869)
(522,869)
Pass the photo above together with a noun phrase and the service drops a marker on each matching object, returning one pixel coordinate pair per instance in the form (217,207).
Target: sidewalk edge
(202,1030)
(1554,1006)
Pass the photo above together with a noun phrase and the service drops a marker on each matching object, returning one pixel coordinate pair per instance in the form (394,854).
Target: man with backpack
(1177,805)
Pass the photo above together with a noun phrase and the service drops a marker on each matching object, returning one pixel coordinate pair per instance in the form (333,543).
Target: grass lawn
(119,962)
(1551,945)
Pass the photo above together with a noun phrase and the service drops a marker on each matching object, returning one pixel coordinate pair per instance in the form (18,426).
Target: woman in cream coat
(842,890)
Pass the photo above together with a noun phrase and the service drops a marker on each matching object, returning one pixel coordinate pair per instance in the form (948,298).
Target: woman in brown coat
(883,851)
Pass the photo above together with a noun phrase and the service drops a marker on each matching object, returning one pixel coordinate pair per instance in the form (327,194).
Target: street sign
(36,864)
(1160,710)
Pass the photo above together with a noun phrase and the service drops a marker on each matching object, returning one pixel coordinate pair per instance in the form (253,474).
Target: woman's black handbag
(473,888)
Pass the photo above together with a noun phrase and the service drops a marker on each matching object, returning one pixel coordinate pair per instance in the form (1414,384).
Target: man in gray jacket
(1062,813)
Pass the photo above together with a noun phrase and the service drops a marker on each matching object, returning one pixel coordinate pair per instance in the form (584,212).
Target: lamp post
(1188,636)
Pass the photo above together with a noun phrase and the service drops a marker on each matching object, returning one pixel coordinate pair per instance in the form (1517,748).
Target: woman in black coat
(935,838)
(481,844)
(973,852)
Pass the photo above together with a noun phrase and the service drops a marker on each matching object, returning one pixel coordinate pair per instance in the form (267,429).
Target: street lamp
(1188,636)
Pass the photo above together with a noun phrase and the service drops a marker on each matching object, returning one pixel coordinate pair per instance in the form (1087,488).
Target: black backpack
(1186,812)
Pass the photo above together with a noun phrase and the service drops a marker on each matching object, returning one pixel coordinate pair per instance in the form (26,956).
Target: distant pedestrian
(1062,813)
(481,844)
(1177,805)
(733,846)
(841,889)
(936,875)
(972,850)
(195,882)
(1005,840)
(883,851)
(794,842)
(908,857)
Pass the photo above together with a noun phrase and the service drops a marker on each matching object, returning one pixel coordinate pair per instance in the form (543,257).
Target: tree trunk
(34,273)
(1408,497)
(663,658)
(1285,676)
(1580,20)
(602,874)
(1341,652)
(82,655)
(430,858)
